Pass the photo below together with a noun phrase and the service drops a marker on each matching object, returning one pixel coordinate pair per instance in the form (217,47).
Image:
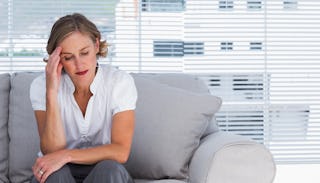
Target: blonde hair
(71,23)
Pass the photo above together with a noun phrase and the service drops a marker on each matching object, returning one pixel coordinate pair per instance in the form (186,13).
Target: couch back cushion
(23,133)
(161,148)
(169,124)
(179,80)
(187,82)
(4,139)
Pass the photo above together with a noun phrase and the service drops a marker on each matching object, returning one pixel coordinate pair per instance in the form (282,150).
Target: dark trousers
(107,171)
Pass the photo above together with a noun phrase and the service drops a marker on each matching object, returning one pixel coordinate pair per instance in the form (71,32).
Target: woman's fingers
(54,58)
(48,164)
(59,69)
(37,172)
(45,175)
(53,70)
(41,171)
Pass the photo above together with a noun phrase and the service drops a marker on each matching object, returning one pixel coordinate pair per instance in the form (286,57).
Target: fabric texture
(113,91)
(4,138)
(187,82)
(169,125)
(225,157)
(159,181)
(23,133)
(178,80)
(242,160)
(104,171)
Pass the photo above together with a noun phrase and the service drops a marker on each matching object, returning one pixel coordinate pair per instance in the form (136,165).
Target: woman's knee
(109,171)
(60,176)
(110,166)
(108,163)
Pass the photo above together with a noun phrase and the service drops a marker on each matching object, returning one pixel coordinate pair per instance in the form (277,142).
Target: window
(193,48)
(245,87)
(244,121)
(264,64)
(168,48)
(227,46)
(290,4)
(25,26)
(225,5)
(245,90)
(176,48)
(254,5)
(4,46)
(255,46)
(162,5)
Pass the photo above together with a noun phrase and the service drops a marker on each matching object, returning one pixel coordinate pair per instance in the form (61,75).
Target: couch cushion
(159,181)
(169,124)
(23,133)
(179,80)
(4,139)
(187,82)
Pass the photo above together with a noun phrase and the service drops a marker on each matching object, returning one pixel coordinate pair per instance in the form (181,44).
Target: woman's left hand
(46,165)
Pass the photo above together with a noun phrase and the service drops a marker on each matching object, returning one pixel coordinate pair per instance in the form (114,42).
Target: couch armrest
(226,158)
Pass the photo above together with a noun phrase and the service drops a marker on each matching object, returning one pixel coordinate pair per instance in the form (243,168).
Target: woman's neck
(82,91)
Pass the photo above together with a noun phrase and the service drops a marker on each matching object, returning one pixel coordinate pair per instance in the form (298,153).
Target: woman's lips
(82,72)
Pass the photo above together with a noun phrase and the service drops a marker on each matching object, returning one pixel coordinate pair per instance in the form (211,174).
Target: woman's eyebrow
(72,53)
(84,48)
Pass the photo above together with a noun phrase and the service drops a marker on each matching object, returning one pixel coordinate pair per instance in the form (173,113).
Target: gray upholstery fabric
(178,80)
(187,82)
(4,139)
(23,133)
(158,181)
(169,125)
(223,157)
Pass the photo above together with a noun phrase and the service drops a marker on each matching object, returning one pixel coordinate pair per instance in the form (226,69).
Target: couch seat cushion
(159,181)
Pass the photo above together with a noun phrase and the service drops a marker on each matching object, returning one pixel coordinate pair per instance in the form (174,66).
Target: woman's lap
(105,171)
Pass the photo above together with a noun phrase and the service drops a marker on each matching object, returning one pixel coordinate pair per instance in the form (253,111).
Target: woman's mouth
(82,72)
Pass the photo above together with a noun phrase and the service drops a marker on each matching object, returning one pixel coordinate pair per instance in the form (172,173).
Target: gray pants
(107,171)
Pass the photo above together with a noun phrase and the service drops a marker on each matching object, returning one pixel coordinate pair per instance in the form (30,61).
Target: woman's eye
(84,53)
(67,58)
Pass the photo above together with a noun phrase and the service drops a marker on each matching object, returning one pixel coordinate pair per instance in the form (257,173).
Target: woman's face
(78,57)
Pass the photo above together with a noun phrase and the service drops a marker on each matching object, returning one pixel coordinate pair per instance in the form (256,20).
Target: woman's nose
(77,61)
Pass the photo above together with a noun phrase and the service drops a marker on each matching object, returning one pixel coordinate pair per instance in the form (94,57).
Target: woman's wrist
(51,93)
(67,156)
(51,97)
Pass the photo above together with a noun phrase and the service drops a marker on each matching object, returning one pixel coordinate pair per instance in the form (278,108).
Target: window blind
(260,56)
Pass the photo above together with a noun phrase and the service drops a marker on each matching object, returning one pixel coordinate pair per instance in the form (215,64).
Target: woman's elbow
(123,156)
(45,149)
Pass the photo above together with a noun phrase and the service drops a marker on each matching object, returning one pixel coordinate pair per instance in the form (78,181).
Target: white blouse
(113,91)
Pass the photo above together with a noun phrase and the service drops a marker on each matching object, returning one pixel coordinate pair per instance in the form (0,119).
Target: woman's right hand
(53,71)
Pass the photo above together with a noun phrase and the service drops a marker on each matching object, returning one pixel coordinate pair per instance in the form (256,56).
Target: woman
(84,112)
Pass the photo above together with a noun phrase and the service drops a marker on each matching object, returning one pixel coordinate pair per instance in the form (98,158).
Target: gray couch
(176,137)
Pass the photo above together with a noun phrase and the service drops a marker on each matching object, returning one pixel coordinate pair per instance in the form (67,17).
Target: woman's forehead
(76,41)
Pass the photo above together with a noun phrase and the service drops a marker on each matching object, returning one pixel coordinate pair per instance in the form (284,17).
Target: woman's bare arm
(119,149)
(51,131)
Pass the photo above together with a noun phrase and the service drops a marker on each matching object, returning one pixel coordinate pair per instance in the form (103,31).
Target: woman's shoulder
(113,73)
(39,81)
(38,90)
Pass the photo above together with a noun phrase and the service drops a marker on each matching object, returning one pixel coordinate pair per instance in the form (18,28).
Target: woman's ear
(97,45)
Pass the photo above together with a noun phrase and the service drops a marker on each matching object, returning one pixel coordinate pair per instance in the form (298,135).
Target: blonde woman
(84,112)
